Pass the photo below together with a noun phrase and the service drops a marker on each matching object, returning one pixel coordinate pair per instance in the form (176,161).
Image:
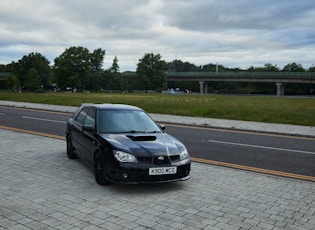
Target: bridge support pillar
(280,89)
(203,87)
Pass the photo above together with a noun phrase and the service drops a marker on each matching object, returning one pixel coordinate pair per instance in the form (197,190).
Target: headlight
(124,157)
(184,155)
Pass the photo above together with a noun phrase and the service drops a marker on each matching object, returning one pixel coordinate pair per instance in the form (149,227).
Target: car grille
(146,160)
(159,160)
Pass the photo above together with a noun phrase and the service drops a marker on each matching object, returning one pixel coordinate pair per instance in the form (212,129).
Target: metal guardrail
(285,77)
(275,74)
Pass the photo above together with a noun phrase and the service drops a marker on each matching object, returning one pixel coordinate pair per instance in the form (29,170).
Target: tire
(70,152)
(100,169)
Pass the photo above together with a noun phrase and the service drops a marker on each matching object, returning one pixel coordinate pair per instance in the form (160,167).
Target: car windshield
(126,121)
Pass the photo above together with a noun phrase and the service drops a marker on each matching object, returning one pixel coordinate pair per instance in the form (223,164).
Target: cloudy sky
(240,33)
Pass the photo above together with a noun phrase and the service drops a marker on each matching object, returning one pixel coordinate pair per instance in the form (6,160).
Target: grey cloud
(238,33)
(243,14)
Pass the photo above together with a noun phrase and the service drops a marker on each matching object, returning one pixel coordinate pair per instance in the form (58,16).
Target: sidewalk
(294,130)
(40,188)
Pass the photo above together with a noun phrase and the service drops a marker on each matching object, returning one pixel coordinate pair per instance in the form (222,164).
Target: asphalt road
(287,154)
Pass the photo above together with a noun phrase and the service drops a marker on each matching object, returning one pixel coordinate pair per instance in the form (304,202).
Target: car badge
(160,158)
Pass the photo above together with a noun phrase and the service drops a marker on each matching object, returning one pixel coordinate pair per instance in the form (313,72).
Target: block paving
(40,188)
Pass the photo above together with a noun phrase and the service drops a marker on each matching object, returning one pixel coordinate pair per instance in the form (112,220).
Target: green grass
(285,110)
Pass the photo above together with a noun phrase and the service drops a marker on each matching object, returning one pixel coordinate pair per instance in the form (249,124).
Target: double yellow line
(253,169)
(194,159)
(32,132)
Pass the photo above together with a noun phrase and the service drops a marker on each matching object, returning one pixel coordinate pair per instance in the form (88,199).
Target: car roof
(111,106)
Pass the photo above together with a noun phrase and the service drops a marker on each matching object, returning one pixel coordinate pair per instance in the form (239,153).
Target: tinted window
(81,116)
(74,116)
(90,118)
(115,121)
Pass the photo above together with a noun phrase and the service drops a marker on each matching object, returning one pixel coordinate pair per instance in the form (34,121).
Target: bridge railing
(284,77)
(245,74)
(233,74)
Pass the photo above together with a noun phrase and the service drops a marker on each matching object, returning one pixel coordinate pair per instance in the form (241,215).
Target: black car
(124,145)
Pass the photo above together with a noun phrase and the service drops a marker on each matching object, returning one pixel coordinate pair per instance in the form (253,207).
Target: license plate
(162,171)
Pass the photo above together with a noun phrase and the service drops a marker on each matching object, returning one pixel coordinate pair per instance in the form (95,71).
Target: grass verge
(284,110)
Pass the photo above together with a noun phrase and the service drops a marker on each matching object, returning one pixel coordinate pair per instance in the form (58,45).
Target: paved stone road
(41,189)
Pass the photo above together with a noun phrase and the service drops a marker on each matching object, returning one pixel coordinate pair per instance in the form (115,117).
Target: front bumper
(136,174)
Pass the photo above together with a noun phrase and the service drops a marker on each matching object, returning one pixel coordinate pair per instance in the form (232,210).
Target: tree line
(79,69)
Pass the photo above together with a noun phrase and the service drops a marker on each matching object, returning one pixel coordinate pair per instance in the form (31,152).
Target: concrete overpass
(276,77)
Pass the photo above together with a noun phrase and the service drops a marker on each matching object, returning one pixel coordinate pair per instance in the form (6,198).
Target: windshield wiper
(137,131)
(155,131)
(131,131)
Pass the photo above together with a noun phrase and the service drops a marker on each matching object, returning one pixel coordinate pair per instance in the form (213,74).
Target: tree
(111,79)
(267,68)
(213,68)
(115,67)
(150,73)
(115,76)
(180,66)
(271,68)
(79,65)
(73,63)
(38,63)
(11,82)
(311,69)
(293,67)
(32,82)
(96,60)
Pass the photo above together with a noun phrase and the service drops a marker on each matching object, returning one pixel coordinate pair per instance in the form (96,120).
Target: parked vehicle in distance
(124,145)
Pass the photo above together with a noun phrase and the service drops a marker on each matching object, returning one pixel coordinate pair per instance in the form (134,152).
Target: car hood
(143,144)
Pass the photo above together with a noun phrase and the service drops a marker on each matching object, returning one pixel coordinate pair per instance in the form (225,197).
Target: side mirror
(88,128)
(162,127)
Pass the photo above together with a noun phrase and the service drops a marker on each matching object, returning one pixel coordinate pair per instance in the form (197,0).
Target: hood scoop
(142,138)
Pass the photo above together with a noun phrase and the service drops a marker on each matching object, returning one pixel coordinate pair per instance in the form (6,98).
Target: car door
(88,140)
(77,130)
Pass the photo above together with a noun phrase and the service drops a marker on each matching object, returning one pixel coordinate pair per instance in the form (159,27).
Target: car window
(115,121)
(75,115)
(90,118)
(81,116)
